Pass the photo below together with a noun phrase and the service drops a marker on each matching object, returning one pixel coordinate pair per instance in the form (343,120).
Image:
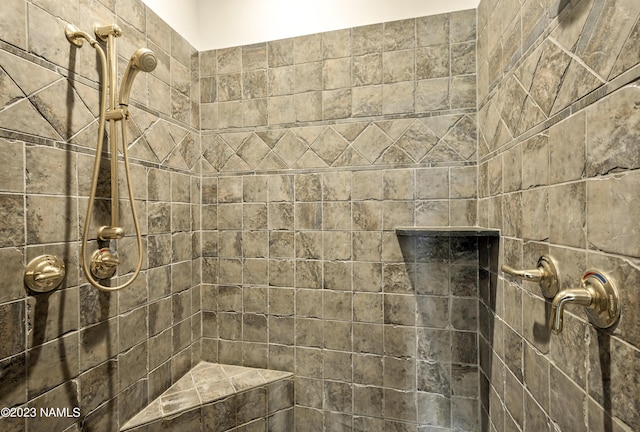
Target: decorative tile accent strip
(449,138)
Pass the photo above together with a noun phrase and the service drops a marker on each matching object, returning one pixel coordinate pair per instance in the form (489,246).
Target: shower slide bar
(104,261)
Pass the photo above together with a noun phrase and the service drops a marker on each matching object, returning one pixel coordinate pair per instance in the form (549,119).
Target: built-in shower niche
(455,277)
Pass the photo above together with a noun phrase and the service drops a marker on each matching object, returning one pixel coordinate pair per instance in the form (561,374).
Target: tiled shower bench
(219,398)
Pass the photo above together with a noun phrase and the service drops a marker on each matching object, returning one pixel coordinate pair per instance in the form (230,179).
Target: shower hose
(94,180)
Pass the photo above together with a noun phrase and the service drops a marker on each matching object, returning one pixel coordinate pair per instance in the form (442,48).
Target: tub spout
(581,296)
(597,294)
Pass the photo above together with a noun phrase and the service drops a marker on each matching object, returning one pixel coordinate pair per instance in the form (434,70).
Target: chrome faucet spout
(598,295)
(581,296)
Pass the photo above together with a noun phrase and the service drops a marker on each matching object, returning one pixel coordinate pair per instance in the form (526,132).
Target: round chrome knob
(104,263)
(44,273)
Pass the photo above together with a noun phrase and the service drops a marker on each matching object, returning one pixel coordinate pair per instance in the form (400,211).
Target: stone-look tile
(254,56)
(336,74)
(399,35)
(535,153)
(13,30)
(307,107)
(338,397)
(12,158)
(54,50)
(12,286)
(367,39)
(567,161)
(312,419)
(45,217)
(601,211)
(134,320)
(336,44)
(12,227)
(602,155)
(280,53)
(307,48)
(61,358)
(367,400)
(309,76)
(398,66)
(309,392)
(464,413)
(281,80)
(432,62)
(398,98)
(399,341)
(620,25)
(336,104)
(65,397)
(13,372)
(432,95)
(22,72)
(281,110)
(367,277)
(569,201)
(463,25)
(433,30)
(44,316)
(367,70)
(65,123)
(571,414)
(463,92)
(13,317)
(610,358)
(338,366)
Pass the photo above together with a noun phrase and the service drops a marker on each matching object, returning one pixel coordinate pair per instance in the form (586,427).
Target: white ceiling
(213,24)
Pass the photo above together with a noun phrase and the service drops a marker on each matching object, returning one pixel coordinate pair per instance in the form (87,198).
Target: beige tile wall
(314,150)
(108,354)
(558,173)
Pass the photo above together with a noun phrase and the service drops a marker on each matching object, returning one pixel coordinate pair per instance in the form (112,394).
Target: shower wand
(105,260)
(142,60)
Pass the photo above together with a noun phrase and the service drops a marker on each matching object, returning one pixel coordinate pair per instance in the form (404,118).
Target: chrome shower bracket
(107,233)
(104,31)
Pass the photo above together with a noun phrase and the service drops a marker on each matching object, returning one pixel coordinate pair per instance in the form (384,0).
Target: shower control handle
(44,273)
(104,263)
(532,275)
(546,273)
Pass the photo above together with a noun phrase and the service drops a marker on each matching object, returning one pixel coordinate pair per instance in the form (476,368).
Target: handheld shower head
(142,60)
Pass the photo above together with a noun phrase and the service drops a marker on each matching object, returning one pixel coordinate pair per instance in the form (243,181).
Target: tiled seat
(230,395)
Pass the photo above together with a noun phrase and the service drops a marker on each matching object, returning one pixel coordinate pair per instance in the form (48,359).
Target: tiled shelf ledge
(247,395)
(452,231)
